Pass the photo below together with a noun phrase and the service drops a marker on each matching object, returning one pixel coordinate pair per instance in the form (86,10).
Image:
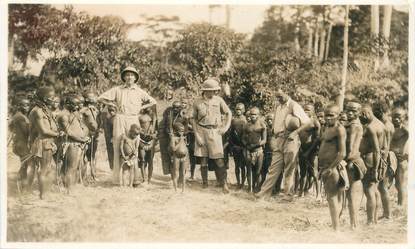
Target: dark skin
(20,126)
(106,121)
(372,143)
(190,138)
(400,146)
(309,140)
(42,126)
(129,149)
(254,135)
(146,150)
(383,186)
(354,138)
(75,131)
(90,116)
(179,151)
(332,152)
(237,123)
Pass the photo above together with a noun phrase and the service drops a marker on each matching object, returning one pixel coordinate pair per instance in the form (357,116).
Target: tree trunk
(322,44)
(310,42)
(340,100)
(11,52)
(296,37)
(386,29)
(316,39)
(374,30)
(326,53)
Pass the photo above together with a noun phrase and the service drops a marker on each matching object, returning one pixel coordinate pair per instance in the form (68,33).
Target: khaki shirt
(208,111)
(129,100)
(281,112)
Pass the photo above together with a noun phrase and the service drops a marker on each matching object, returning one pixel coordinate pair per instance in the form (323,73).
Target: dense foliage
(89,52)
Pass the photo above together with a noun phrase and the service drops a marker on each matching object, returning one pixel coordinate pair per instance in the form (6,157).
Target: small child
(179,155)
(129,150)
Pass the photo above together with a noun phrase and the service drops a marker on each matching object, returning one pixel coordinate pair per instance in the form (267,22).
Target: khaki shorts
(213,147)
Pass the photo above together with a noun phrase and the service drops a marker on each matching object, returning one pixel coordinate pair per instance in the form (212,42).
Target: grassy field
(155,213)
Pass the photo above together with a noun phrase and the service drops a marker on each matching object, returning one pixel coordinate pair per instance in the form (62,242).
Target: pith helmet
(129,69)
(210,85)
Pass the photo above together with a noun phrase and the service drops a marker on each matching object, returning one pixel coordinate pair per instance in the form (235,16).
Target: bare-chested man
(235,141)
(90,115)
(43,131)
(331,154)
(399,145)
(147,142)
(107,118)
(356,168)
(371,147)
(310,140)
(74,145)
(381,111)
(20,125)
(254,137)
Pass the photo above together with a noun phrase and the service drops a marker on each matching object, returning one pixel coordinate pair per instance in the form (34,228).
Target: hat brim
(211,89)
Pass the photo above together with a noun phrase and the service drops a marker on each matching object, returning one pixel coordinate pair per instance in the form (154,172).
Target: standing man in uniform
(43,132)
(208,129)
(285,156)
(129,99)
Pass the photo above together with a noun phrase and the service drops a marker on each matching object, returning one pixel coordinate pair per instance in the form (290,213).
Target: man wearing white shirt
(129,99)
(284,156)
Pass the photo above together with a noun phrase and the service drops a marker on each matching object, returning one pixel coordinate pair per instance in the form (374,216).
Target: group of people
(361,150)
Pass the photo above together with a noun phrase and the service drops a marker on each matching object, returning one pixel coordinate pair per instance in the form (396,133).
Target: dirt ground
(155,213)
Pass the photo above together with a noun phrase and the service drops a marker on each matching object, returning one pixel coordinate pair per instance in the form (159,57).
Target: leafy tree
(31,26)
(204,51)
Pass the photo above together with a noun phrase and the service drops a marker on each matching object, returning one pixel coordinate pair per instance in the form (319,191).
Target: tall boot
(204,172)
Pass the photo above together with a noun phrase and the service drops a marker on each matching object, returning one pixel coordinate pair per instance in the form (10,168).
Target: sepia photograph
(179,123)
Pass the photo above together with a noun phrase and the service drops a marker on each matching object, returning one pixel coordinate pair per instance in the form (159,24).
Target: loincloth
(130,163)
(343,182)
(392,163)
(252,156)
(356,168)
(374,173)
(39,145)
(146,142)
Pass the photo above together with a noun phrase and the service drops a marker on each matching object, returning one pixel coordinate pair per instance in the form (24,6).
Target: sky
(244,18)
